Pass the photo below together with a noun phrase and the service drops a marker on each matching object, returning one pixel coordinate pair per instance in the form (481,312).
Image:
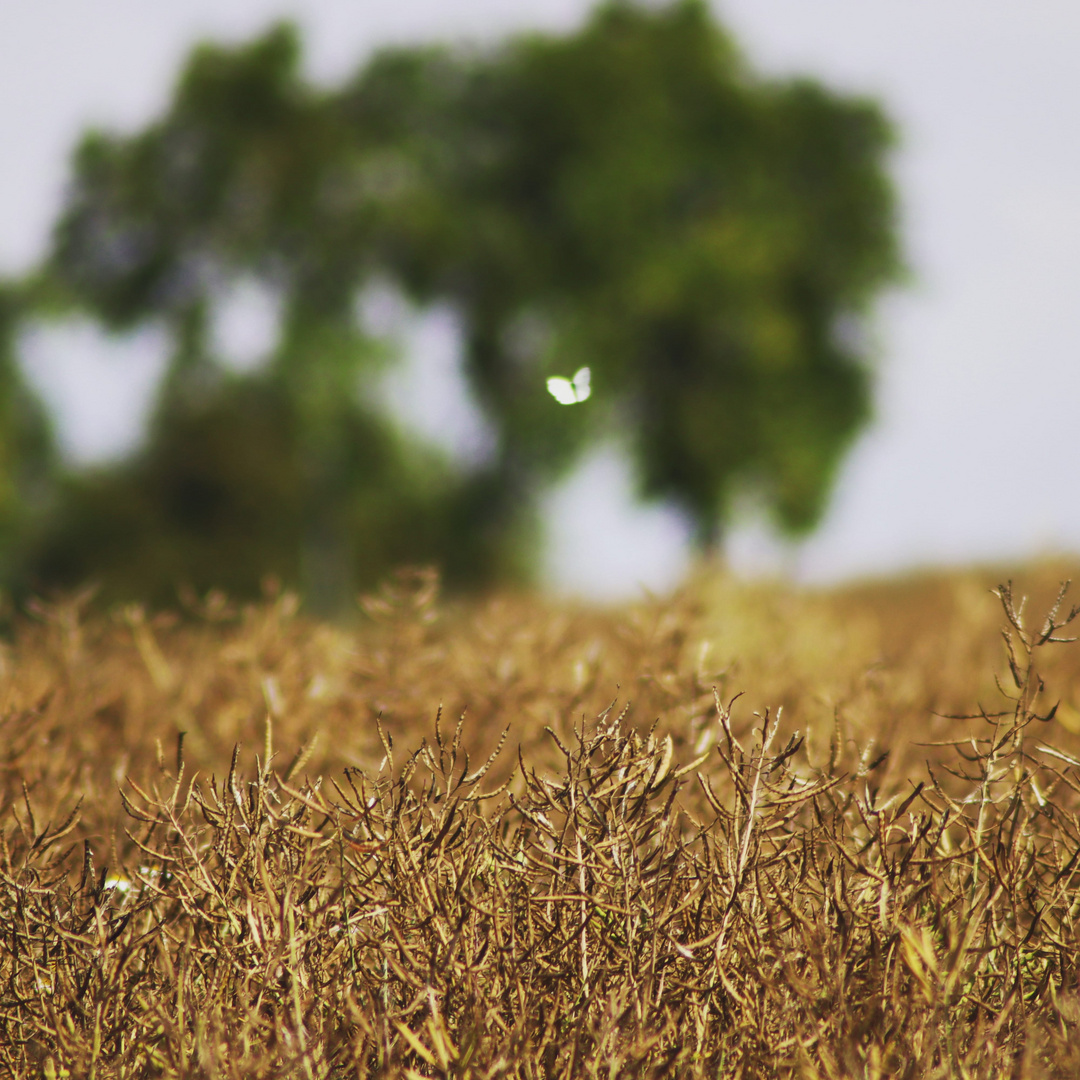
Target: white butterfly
(571,391)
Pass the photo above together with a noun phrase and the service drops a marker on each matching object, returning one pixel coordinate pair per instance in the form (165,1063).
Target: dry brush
(708,894)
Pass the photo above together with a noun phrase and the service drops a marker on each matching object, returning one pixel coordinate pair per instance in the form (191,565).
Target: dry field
(748,831)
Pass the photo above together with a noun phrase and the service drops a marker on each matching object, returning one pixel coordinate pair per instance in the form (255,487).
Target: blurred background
(292,304)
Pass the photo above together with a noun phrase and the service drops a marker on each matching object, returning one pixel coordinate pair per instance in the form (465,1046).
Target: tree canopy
(629,198)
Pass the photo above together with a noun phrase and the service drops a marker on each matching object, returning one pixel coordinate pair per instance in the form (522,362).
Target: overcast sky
(973,455)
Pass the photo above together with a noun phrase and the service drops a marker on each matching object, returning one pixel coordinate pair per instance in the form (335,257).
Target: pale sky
(973,455)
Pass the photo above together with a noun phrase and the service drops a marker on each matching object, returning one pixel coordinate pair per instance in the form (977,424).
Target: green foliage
(628,198)
(220,499)
(27,456)
(693,235)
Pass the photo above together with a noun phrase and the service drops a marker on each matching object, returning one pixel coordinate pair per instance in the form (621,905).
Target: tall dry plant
(712,898)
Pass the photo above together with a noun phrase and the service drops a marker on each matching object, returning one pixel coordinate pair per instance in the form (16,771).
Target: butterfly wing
(582,384)
(562,390)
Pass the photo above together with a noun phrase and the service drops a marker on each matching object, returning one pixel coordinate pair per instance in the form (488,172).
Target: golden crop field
(747,831)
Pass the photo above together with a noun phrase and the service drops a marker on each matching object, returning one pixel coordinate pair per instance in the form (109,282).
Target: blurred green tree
(28,458)
(628,198)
